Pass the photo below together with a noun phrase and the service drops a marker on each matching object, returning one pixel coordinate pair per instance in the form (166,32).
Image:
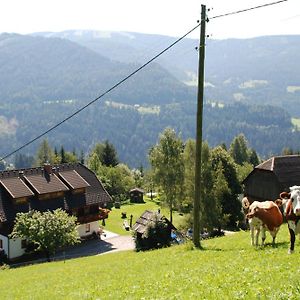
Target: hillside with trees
(44,80)
(256,70)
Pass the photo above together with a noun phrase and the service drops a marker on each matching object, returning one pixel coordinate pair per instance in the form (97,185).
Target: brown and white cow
(262,216)
(291,205)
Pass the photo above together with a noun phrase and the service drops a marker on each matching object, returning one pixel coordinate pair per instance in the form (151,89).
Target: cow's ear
(285,195)
(278,202)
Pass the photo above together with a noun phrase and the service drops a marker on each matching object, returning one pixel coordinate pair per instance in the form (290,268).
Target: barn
(273,176)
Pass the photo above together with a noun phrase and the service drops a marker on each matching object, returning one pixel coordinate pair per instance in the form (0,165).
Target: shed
(163,237)
(273,176)
(136,195)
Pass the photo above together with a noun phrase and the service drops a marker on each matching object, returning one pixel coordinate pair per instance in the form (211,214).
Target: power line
(99,97)
(247,9)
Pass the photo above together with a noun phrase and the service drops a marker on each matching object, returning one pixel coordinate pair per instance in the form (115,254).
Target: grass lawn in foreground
(114,222)
(227,268)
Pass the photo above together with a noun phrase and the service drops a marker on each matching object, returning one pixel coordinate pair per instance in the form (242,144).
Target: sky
(166,17)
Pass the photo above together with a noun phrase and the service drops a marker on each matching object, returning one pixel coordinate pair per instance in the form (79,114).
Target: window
(87,227)
(1,244)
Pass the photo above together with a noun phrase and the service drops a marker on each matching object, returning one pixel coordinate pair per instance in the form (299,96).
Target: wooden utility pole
(196,212)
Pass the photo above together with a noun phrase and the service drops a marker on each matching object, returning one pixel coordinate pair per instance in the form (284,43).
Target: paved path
(110,242)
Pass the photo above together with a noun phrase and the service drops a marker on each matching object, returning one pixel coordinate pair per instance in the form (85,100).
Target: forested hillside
(44,80)
(38,69)
(258,70)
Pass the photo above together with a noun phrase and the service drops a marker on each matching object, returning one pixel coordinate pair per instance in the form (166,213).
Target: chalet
(273,176)
(71,187)
(136,195)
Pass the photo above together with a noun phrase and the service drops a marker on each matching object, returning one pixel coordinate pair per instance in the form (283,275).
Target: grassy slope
(227,268)
(114,222)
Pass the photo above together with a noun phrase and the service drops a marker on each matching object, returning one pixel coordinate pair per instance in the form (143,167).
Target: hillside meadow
(114,222)
(227,268)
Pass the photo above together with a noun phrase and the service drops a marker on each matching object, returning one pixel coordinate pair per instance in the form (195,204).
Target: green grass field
(114,222)
(227,268)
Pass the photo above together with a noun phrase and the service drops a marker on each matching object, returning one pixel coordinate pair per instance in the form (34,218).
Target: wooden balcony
(89,218)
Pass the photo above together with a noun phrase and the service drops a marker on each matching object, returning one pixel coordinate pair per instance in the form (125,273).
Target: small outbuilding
(136,195)
(273,176)
(159,234)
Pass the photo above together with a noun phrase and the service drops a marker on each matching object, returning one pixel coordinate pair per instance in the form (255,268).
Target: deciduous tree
(47,230)
(166,159)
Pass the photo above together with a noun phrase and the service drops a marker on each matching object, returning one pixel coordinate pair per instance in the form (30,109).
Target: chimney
(48,168)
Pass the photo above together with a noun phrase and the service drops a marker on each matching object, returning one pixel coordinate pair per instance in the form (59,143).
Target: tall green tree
(239,149)
(166,159)
(109,156)
(118,180)
(44,154)
(231,205)
(253,158)
(213,184)
(62,155)
(47,230)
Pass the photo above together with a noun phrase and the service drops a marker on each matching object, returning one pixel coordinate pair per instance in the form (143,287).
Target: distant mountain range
(45,77)
(257,70)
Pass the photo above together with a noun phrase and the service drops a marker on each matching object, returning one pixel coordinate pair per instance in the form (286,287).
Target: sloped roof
(73,179)
(148,216)
(36,181)
(286,168)
(44,184)
(16,187)
(137,190)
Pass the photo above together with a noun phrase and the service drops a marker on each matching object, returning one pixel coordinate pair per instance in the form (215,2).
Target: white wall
(4,243)
(14,246)
(94,226)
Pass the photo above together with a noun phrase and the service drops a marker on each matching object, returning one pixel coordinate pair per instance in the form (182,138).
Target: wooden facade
(273,176)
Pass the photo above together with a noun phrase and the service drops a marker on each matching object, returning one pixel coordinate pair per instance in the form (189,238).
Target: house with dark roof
(273,176)
(71,187)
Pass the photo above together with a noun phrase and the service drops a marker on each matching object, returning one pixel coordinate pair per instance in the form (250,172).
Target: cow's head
(295,199)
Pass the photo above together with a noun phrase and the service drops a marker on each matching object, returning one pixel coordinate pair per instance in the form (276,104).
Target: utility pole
(196,212)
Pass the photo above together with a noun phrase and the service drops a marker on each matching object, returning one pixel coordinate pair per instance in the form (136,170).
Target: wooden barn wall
(262,185)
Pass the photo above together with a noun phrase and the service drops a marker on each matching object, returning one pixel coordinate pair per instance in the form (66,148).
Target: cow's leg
(251,232)
(274,234)
(257,232)
(263,235)
(292,241)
